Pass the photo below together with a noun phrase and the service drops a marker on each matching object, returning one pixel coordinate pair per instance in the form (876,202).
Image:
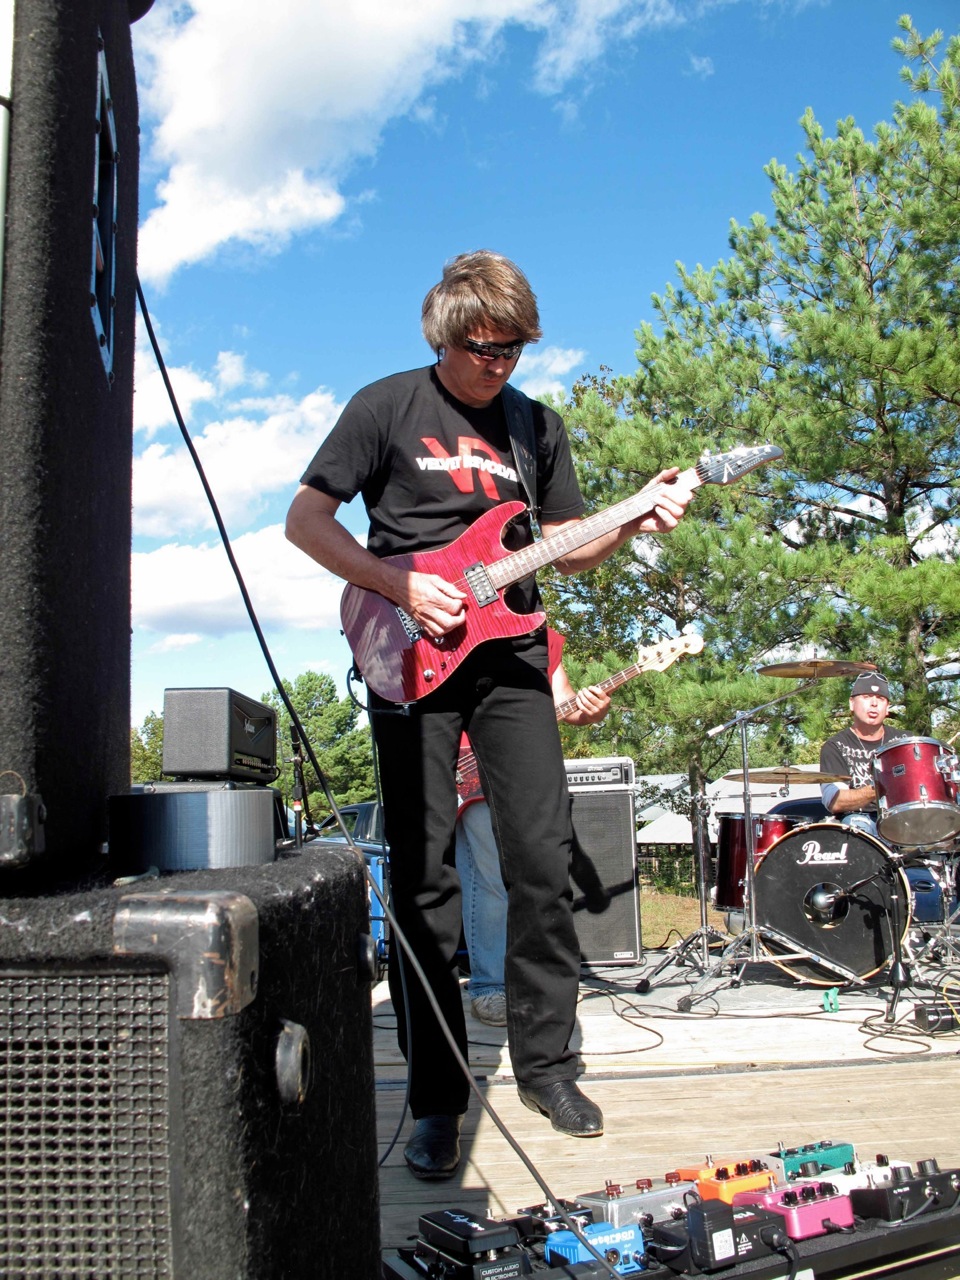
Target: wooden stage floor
(771,1060)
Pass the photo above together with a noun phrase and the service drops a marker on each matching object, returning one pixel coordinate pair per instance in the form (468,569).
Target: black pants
(506,706)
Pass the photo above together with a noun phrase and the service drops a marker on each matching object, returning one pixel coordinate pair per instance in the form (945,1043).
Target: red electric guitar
(655,658)
(401,663)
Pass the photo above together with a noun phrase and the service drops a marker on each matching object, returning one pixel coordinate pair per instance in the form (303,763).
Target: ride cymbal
(786,774)
(816,669)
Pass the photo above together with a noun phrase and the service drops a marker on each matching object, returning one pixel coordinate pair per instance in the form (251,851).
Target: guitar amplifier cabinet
(187,1083)
(605,876)
(601,771)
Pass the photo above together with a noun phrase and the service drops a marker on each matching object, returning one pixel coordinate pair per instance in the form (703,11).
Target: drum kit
(829,902)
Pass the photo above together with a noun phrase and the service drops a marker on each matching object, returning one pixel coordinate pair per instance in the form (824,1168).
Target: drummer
(851,751)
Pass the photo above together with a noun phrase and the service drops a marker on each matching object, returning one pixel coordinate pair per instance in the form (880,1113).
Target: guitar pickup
(483,590)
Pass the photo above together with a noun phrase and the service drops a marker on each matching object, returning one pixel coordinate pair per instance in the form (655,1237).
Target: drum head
(810,898)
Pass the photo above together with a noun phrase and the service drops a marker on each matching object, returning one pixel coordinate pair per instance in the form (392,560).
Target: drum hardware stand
(706,934)
(899,972)
(941,933)
(750,940)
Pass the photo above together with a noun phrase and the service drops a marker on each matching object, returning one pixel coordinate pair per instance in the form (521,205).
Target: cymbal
(786,774)
(816,669)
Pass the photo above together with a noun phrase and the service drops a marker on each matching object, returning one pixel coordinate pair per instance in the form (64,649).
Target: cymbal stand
(681,951)
(899,972)
(747,947)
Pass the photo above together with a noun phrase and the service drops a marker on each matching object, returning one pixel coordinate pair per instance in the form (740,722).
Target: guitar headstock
(657,657)
(724,468)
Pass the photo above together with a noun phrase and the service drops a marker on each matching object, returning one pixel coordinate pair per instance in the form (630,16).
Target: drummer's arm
(851,799)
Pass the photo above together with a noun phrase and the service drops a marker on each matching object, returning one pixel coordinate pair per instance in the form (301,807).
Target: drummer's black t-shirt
(846,753)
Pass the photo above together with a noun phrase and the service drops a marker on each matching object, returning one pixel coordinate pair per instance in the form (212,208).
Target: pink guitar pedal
(811,1209)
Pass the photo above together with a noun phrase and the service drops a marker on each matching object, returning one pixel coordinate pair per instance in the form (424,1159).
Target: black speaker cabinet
(186,1070)
(66,416)
(606,901)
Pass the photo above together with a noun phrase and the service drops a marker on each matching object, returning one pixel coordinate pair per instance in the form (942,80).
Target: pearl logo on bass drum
(811,851)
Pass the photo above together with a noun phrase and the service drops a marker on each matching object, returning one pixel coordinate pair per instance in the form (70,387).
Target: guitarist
(429,452)
(478,859)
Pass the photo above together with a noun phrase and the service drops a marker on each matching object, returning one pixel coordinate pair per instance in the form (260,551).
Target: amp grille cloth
(84,1144)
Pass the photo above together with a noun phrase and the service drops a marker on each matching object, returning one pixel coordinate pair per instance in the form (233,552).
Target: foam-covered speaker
(66,413)
(187,1078)
(606,900)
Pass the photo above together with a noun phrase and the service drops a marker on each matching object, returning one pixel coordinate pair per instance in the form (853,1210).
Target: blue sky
(307,168)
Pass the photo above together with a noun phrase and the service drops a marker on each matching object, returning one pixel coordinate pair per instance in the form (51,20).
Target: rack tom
(732,851)
(916,781)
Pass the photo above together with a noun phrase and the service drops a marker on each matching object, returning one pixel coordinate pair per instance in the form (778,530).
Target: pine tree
(832,332)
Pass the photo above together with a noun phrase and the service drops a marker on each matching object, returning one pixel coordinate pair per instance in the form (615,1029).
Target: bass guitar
(402,664)
(655,658)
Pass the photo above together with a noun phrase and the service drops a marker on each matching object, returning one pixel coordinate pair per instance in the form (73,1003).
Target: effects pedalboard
(803,1212)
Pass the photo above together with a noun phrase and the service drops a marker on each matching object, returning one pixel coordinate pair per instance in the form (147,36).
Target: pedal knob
(646,1184)
(927,1167)
(671,1178)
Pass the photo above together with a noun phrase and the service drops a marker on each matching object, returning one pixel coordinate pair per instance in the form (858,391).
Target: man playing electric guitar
(430,453)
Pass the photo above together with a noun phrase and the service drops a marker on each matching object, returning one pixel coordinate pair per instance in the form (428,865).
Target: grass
(665,918)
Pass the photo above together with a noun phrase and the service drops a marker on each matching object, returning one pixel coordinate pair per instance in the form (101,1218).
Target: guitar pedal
(643,1202)
(722,1182)
(812,1209)
(623,1247)
(873,1173)
(787,1162)
(907,1195)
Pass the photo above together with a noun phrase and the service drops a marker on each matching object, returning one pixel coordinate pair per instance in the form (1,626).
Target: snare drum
(916,782)
(732,851)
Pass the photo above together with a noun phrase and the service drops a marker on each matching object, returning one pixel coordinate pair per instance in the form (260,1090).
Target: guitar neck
(521,564)
(611,682)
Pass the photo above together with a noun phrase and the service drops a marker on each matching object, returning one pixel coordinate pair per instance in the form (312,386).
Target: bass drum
(827,889)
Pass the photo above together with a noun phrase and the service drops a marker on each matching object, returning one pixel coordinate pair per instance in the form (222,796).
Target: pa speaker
(187,1078)
(606,900)
(66,415)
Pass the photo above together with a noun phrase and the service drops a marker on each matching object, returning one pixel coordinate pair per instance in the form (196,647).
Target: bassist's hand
(670,505)
(436,605)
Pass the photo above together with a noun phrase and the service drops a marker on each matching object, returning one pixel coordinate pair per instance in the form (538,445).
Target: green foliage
(342,747)
(832,332)
(146,749)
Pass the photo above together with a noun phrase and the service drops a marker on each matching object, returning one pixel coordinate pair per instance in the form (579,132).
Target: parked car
(365,826)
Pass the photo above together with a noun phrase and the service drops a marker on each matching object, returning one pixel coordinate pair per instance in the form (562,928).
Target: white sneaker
(490,1008)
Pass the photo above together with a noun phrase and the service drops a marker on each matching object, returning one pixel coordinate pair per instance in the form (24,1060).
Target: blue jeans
(484,899)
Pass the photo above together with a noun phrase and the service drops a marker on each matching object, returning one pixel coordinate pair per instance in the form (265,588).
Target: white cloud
(246,459)
(184,593)
(258,118)
(702,68)
(542,372)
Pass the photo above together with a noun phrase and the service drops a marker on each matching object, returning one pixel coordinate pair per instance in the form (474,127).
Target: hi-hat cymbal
(816,669)
(786,774)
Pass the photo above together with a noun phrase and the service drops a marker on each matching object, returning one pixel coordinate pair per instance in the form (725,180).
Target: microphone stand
(706,933)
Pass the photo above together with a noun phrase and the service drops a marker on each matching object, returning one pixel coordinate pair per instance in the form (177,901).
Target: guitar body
(403,667)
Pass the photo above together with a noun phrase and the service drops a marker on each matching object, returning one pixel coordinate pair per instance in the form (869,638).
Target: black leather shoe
(568,1110)
(434,1147)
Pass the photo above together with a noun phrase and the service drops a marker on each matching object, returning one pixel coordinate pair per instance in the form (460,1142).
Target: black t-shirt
(846,753)
(427,465)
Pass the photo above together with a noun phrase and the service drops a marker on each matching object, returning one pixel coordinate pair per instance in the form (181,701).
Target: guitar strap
(519,415)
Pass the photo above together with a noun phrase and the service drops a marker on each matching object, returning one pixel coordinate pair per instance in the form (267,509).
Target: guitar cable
(406,948)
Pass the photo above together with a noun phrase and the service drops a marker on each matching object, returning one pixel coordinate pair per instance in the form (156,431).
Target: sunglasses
(493,350)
